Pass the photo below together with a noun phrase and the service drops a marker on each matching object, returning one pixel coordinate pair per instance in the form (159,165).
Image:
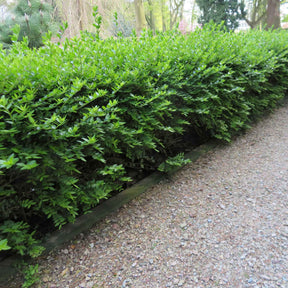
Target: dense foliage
(75,119)
(227,11)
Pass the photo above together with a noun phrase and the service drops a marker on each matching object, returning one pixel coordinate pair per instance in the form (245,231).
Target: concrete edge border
(85,222)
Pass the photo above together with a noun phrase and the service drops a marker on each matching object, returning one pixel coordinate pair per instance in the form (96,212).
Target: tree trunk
(151,17)
(258,14)
(193,14)
(68,11)
(140,16)
(182,12)
(163,16)
(175,11)
(77,13)
(171,14)
(273,14)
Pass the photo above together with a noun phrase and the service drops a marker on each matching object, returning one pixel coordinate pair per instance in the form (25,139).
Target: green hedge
(75,119)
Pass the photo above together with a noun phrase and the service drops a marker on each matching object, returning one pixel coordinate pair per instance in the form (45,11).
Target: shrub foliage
(75,118)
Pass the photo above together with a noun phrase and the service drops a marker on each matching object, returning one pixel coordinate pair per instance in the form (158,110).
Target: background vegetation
(122,16)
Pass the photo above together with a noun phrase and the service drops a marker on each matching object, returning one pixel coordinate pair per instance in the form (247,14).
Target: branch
(252,24)
(261,17)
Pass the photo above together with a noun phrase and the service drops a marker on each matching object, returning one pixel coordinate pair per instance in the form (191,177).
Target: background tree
(273,14)
(194,15)
(77,13)
(163,17)
(79,16)
(150,16)
(120,24)
(140,16)
(5,9)
(256,13)
(156,14)
(263,13)
(228,11)
(176,11)
(34,19)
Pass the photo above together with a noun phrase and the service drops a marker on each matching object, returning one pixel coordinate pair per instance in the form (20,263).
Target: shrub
(75,119)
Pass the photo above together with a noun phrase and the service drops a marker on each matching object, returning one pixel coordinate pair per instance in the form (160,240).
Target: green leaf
(4,245)
(28,166)
(9,162)
(172,162)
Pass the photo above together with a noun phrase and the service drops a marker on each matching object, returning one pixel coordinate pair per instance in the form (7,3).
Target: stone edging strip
(85,222)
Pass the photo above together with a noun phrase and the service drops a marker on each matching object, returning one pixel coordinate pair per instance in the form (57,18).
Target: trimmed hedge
(75,119)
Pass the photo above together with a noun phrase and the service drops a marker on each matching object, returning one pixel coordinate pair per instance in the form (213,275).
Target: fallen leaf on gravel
(64,272)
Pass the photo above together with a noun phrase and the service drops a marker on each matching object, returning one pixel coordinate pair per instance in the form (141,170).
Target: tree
(257,13)
(176,11)
(118,17)
(34,19)
(227,11)
(140,16)
(273,14)
(121,24)
(150,17)
(163,18)
(156,14)
(194,15)
(5,9)
(78,15)
(263,13)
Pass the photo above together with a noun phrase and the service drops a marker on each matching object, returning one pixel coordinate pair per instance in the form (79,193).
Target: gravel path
(220,222)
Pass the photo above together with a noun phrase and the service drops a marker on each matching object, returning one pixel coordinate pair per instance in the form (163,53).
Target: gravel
(221,221)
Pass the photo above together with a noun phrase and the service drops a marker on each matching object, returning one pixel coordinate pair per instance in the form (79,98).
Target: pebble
(265,277)
(126,282)
(134,264)
(250,280)
(176,281)
(183,225)
(243,256)
(90,284)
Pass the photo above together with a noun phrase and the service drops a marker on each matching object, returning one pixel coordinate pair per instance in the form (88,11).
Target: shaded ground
(220,222)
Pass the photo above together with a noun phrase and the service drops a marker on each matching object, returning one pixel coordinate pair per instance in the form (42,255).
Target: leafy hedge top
(74,119)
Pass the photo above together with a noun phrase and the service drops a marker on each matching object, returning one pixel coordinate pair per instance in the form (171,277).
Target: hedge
(75,118)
